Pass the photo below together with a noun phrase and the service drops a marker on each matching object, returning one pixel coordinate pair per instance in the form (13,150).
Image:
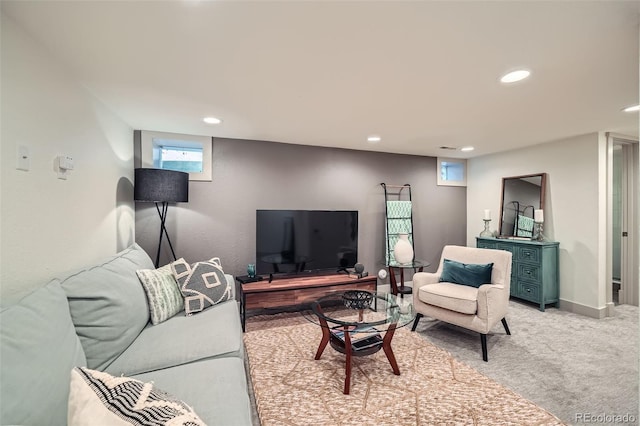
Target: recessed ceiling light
(374,138)
(467,148)
(633,108)
(212,120)
(514,76)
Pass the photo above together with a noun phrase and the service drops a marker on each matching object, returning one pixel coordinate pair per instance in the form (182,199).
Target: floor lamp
(161,187)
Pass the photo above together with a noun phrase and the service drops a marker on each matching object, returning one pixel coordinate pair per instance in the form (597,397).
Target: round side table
(416,265)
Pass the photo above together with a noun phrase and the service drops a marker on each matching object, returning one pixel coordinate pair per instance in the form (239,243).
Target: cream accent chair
(477,309)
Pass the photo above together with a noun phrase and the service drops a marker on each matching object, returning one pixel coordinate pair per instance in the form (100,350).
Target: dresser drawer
(486,244)
(528,291)
(506,247)
(527,271)
(528,254)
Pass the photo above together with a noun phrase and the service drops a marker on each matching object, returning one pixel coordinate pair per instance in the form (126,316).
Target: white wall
(575,208)
(49,225)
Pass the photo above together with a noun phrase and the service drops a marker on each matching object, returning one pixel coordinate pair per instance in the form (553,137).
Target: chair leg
(483,340)
(415,321)
(506,327)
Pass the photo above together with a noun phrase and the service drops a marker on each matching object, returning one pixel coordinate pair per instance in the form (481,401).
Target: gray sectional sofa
(98,318)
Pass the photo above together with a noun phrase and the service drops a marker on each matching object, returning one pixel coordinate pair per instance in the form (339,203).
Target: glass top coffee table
(359,323)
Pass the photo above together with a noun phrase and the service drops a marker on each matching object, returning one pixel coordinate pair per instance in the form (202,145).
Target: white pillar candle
(487,214)
(538,216)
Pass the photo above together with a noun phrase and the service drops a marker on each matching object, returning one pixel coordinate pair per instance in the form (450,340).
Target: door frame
(629,291)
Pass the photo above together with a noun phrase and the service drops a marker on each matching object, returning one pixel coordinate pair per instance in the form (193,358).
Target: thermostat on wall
(64,163)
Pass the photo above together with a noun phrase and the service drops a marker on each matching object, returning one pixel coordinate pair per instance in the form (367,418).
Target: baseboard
(589,311)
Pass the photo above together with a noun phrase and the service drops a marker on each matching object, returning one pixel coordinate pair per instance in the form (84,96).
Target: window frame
(443,182)
(177,140)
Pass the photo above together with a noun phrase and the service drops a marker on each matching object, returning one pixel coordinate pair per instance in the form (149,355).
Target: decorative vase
(251,270)
(403,250)
(487,232)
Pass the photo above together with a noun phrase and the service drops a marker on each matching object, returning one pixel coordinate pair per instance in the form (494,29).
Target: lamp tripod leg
(157,263)
(163,230)
(173,253)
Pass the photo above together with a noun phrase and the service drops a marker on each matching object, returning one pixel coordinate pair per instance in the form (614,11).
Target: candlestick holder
(537,232)
(486,233)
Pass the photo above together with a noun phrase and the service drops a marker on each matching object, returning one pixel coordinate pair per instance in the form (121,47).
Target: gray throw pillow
(202,284)
(163,294)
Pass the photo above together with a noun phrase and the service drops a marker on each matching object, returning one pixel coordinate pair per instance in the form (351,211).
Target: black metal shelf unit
(398,217)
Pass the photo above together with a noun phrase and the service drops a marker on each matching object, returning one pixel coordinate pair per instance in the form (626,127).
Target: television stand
(300,274)
(291,291)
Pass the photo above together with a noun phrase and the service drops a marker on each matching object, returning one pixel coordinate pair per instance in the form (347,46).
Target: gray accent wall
(219,219)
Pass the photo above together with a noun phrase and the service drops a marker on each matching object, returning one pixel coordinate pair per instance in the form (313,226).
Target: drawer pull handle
(528,290)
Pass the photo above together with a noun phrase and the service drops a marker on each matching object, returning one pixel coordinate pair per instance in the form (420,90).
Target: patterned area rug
(291,388)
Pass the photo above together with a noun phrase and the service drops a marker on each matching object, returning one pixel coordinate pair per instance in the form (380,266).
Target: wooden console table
(297,290)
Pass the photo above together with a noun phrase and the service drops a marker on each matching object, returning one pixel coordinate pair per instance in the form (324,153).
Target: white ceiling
(420,74)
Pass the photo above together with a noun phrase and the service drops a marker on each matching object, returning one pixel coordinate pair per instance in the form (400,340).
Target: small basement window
(180,159)
(452,172)
(183,153)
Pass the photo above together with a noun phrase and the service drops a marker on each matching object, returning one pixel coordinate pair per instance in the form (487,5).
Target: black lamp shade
(161,186)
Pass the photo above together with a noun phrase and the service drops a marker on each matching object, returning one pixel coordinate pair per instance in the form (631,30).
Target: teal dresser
(534,271)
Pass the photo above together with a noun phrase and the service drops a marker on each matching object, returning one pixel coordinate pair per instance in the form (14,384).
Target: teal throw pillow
(466,274)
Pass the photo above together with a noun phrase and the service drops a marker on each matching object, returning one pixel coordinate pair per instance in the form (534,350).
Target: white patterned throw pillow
(163,294)
(202,284)
(98,398)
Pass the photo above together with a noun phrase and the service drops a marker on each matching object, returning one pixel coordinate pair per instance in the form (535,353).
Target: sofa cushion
(202,284)
(473,275)
(108,305)
(99,398)
(163,296)
(38,348)
(455,297)
(214,333)
(215,388)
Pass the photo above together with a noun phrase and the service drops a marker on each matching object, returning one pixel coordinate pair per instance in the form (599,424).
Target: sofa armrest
(493,301)
(231,282)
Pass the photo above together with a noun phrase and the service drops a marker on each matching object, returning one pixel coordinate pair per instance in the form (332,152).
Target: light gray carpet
(566,363)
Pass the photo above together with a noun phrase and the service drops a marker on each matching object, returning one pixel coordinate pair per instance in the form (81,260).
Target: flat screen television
(300,241)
